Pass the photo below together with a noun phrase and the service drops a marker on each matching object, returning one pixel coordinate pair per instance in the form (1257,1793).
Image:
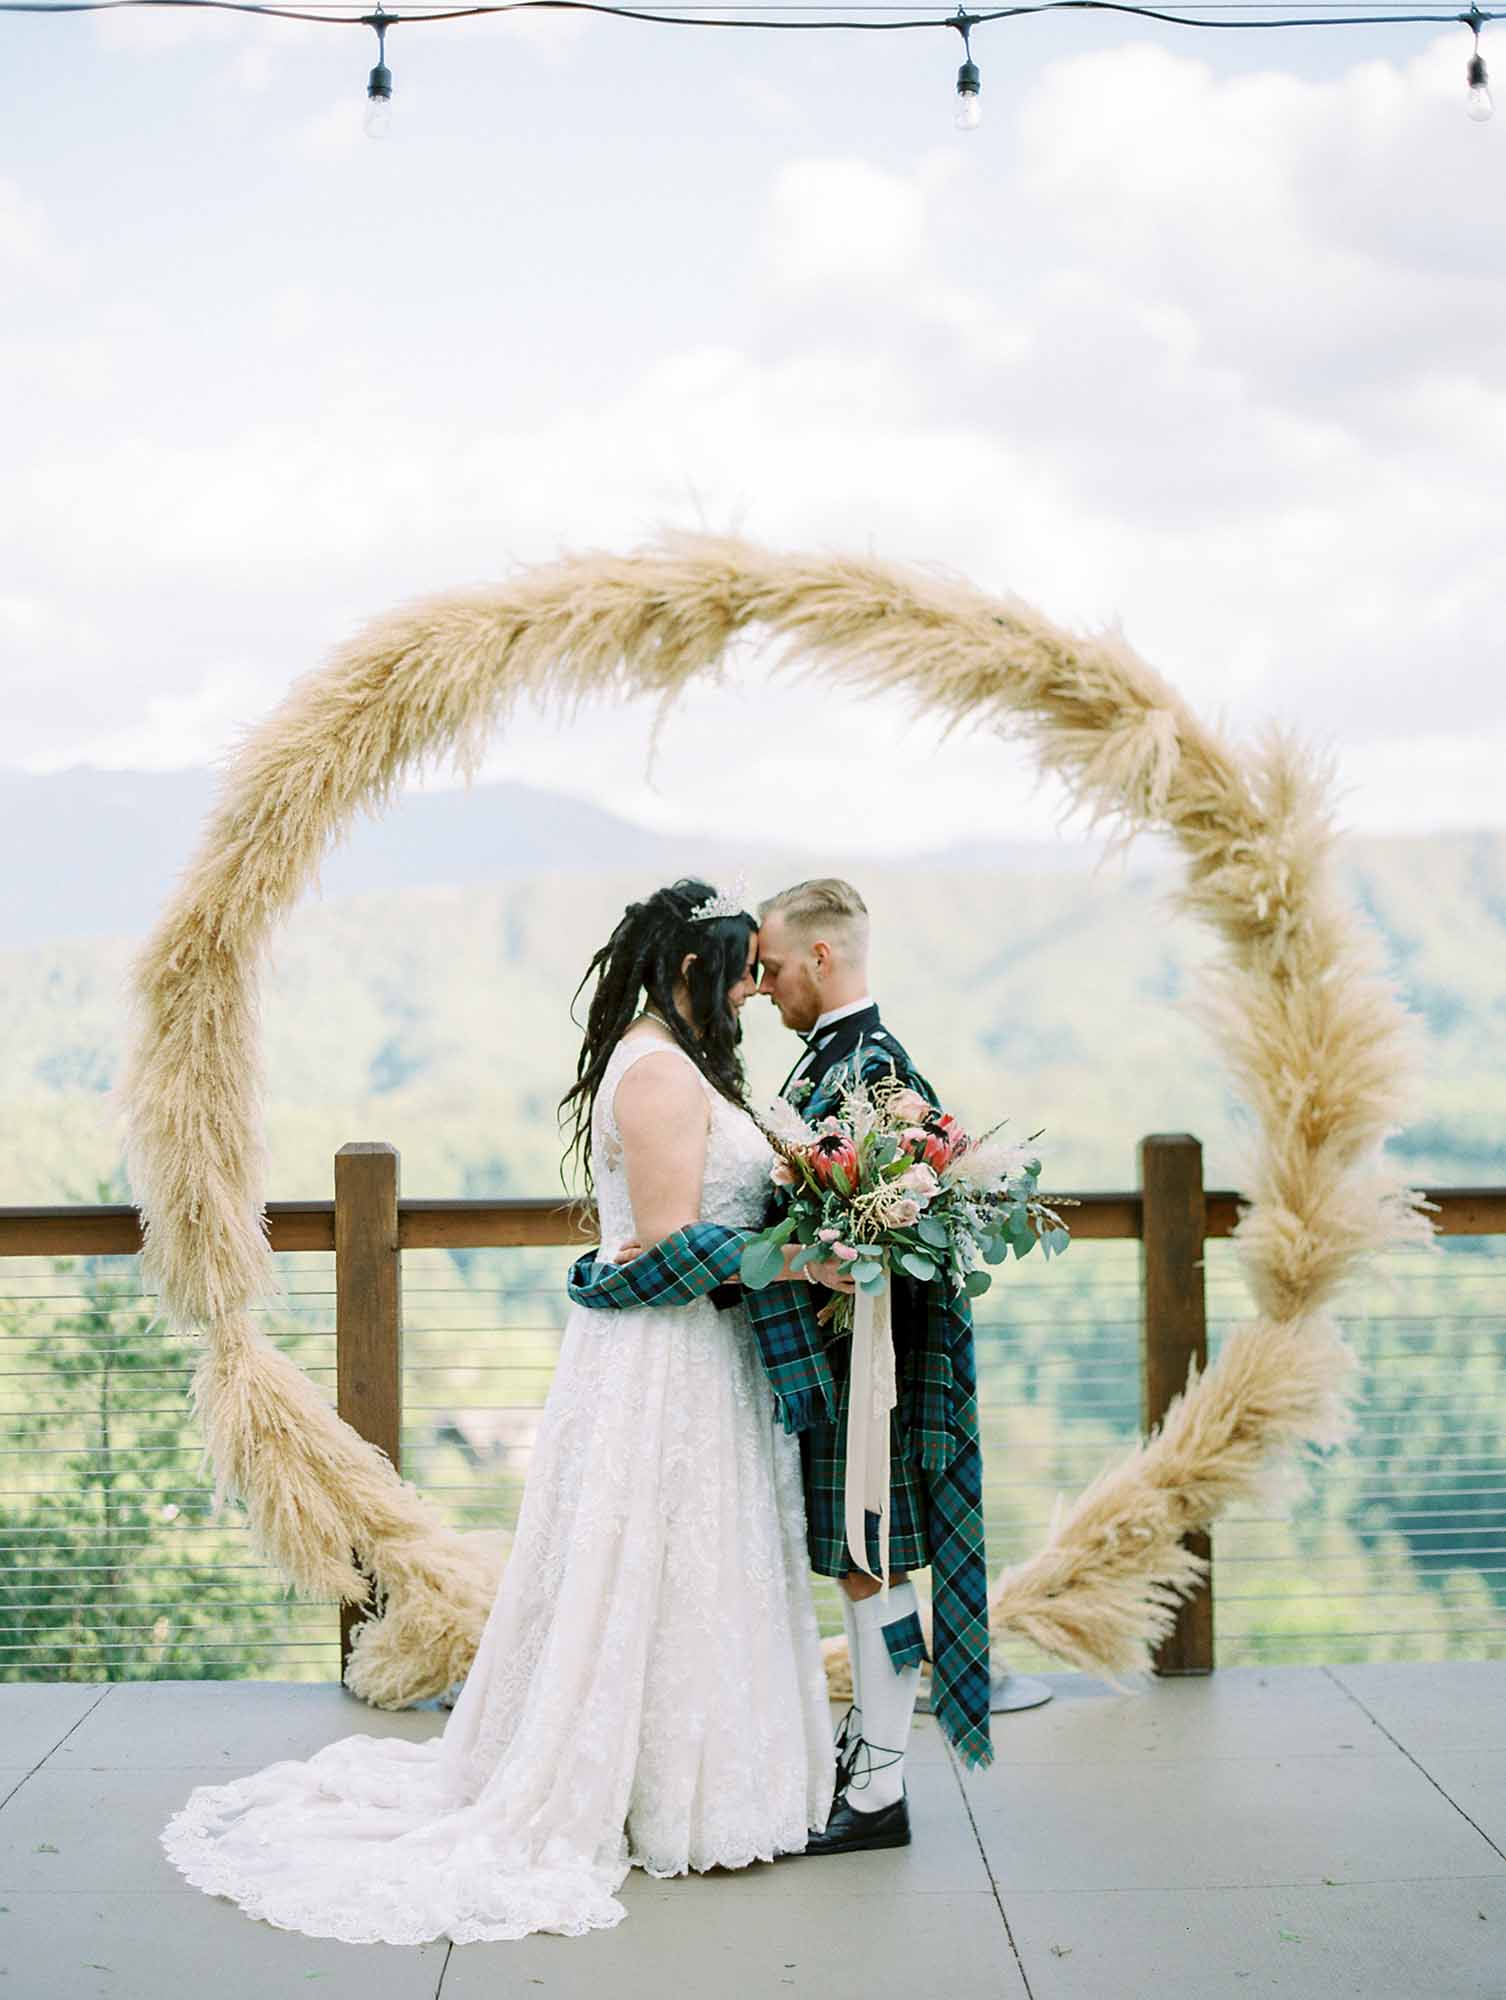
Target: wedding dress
(648,1689)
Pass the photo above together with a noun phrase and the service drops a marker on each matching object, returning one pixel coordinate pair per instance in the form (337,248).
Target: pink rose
(841,1250)
(920,1180)
(782,1174)
(908,1106)
(904,1213)
(828,1235)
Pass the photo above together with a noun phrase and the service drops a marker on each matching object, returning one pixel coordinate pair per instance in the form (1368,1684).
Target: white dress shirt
(818,1034)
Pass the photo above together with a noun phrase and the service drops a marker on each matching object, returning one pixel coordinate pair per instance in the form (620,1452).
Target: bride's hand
(627,1253)
(831,1272)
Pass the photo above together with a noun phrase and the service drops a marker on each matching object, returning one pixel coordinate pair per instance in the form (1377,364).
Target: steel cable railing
(114,1561)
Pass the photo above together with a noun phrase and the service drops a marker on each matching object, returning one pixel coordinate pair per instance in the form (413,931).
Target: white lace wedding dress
(648,1689)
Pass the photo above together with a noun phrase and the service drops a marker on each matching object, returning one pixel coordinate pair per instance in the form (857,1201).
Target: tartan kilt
(823,1461)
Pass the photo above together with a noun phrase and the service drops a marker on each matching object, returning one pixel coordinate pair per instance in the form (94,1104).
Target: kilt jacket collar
(833,1045)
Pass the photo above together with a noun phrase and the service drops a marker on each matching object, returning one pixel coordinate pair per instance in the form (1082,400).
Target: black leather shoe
(849,1831)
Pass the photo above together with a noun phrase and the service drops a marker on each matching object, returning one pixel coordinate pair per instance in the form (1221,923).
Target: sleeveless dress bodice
(735,1186)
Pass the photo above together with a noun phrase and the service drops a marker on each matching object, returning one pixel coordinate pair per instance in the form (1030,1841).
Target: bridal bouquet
(892,1184)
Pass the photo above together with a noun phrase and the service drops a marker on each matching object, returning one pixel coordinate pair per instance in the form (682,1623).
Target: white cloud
(174,732)
(337,132)
(166,27)
(842,221)
(28,241)
(1210,354)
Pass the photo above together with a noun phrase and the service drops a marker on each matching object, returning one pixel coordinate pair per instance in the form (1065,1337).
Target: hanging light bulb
(1478,105)
(969,110)
(378,119)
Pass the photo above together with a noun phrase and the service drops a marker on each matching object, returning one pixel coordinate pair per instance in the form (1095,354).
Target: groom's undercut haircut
(825,907)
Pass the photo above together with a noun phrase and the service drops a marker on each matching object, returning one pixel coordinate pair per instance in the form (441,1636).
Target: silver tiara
(721,905)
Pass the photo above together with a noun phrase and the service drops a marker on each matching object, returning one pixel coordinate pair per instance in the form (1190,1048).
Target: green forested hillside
(437,1018)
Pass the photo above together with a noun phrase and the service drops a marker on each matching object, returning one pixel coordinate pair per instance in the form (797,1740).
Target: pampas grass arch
(1317,1043)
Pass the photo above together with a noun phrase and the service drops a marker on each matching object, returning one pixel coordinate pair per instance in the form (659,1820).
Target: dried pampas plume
(1316,1041)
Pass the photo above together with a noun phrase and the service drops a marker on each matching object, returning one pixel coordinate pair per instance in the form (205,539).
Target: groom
(813,950)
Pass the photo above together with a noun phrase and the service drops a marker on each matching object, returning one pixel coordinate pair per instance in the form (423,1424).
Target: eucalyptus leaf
(931,1229)
(920,1267)
(874,1284)
(977,1283)
(762,1262)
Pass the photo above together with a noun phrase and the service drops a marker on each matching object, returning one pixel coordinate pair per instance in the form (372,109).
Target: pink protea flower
(834,1150)
(937,1142)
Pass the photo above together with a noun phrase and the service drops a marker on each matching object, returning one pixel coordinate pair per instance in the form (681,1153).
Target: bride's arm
(663,1116)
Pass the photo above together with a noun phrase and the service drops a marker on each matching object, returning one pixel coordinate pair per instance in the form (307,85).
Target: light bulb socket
(968,82)
(379,83)
(1477,73)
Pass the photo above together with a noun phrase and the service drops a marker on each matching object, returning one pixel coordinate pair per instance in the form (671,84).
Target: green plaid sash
(692,1263)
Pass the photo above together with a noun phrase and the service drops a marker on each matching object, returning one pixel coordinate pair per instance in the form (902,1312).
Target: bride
(648,1689)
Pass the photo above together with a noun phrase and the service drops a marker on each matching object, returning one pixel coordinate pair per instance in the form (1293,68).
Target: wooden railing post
(1174,1320)
(368,1311)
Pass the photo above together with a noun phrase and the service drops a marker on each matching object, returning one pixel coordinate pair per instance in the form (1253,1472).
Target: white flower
(991,1164)
(785,1122)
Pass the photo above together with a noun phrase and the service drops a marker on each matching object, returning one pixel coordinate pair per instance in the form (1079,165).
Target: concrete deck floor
(1310,1832)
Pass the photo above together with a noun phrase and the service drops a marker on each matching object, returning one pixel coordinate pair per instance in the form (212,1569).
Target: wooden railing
(369,1225)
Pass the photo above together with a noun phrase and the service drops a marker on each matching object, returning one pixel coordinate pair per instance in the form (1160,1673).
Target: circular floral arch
(1316,1041)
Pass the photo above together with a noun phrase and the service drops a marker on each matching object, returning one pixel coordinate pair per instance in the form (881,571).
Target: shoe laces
(848,1742)
(862,1764)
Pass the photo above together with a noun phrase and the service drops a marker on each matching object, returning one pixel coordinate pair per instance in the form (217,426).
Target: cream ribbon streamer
(871,1394)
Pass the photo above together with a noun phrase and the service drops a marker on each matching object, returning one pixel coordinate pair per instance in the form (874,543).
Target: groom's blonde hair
(824,906)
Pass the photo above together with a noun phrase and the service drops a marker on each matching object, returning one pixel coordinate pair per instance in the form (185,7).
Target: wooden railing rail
(77,1230)
(369,1225)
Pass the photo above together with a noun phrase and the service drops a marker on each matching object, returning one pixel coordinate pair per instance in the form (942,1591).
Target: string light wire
(728,14)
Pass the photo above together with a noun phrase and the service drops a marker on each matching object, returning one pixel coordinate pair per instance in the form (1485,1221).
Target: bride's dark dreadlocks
(644,955)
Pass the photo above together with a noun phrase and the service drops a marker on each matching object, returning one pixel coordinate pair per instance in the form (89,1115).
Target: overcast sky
(1200,331)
